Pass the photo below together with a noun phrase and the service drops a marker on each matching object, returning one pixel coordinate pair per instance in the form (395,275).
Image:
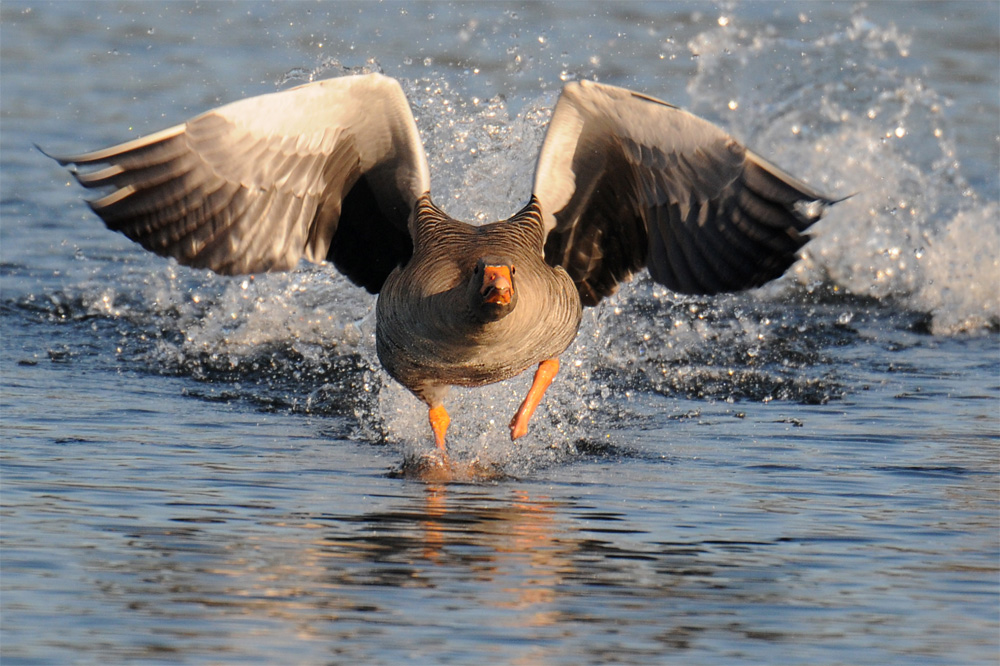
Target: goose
(334,171)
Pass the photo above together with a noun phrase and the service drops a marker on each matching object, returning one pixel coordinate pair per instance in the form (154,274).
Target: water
(200,469)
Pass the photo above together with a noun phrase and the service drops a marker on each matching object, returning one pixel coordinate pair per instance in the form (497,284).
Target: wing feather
(666,190)
(259,184)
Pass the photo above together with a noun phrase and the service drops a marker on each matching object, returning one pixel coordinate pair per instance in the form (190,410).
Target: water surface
(199,469)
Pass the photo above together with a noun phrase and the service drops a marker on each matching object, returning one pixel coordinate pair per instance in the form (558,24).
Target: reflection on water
(444,564)
(527,573)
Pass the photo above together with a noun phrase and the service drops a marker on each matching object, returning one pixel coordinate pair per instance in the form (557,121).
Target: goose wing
(328,170)
(627,181)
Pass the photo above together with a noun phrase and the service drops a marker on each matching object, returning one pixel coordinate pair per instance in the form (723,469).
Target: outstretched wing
(327,170)
(627,181)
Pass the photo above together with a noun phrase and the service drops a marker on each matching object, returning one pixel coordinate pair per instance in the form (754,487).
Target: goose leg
(439,419)
(543,377)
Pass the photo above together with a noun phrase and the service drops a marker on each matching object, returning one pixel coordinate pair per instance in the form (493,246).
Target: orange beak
(497,285)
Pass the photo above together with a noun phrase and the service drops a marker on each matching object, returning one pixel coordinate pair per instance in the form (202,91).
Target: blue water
(198,469)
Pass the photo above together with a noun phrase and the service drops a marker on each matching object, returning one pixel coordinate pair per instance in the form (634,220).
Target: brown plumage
(334,170)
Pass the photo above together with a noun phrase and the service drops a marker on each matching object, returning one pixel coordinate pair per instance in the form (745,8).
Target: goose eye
(512,271)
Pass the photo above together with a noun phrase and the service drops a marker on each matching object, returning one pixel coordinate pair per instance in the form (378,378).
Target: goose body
(334,171)
(428,333)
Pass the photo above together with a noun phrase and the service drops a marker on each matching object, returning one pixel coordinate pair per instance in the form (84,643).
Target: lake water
(199,469)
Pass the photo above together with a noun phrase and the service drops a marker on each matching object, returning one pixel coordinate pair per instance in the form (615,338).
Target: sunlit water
(200,469)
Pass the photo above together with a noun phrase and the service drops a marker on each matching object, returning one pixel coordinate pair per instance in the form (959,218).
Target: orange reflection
(522,552)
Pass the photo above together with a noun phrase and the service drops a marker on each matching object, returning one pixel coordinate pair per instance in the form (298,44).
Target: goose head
(491,290)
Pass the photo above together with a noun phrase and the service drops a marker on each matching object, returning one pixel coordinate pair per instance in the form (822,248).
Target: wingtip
(63,160)
(831,202)
(822,203)
(106,154)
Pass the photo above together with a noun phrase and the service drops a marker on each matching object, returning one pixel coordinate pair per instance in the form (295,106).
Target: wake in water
(914,249)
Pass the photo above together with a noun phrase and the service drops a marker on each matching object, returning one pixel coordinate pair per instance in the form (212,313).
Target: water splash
(327,67)
(838,110)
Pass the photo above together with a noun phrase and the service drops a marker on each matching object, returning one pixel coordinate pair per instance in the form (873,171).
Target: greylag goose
(334,171)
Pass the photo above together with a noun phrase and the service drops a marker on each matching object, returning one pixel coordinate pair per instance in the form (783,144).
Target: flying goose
(334,171)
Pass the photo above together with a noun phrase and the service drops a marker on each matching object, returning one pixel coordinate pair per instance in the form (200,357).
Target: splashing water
(840,112)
